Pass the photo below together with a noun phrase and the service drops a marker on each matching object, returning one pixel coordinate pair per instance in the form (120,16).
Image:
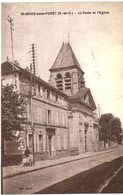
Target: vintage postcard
(62,97)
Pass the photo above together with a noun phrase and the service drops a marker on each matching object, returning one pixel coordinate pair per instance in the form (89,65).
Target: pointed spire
(65,58)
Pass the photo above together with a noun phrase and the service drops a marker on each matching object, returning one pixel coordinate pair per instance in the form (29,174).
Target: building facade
(62,110)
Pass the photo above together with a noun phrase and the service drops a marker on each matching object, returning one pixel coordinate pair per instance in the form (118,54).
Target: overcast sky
(96,39)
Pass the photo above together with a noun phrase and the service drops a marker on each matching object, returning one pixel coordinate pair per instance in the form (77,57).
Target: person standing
(27,152)
(26,160)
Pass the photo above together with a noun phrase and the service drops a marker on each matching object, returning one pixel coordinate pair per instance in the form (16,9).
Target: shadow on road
(88,181)
(116,185)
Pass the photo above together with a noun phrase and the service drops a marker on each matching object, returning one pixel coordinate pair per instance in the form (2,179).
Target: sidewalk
(11,171)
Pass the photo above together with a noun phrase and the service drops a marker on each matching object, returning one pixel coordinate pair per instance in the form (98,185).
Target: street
(92,181)
(47,180)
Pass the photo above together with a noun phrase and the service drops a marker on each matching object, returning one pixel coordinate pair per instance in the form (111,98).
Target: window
(56,97)
(36,113)
(59,76)
(49,116)
(43,91)
(86,126)
(39,89)
(40,115)
(48,93)
(30,141)
(40,143)
(59,82)
(67,75)
(44,115)
(67,80)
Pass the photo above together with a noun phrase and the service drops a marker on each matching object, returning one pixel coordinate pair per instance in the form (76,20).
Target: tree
(116,129)
(13,109)
(105,127)
(110,128)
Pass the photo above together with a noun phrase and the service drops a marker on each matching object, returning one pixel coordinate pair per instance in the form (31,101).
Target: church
(62,109)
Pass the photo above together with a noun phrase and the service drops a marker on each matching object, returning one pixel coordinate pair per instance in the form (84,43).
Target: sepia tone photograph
(62,98)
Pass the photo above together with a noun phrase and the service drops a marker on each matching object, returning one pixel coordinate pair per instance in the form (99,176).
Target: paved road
(99,179)
(41,179)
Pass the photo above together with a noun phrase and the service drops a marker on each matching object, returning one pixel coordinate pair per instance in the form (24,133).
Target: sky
(95,34)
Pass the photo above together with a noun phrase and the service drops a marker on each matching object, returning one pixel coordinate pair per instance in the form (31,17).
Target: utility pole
(10,20)
(32,92)
(31,111)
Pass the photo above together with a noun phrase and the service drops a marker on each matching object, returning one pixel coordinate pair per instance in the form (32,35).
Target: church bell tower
(66,74)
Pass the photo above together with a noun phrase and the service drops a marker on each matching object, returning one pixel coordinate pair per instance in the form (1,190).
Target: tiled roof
(65,58)
(80,95)
(9,67)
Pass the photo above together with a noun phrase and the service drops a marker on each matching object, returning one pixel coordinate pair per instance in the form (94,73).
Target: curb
(60,163)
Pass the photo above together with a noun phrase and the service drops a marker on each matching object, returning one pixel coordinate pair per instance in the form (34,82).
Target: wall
(83,134)
(74,129)
(11,79)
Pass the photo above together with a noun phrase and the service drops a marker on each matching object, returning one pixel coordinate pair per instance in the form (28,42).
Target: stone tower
(66,73)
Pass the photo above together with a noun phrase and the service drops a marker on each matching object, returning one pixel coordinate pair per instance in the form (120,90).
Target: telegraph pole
(32,92)
(10,20)
(31,111)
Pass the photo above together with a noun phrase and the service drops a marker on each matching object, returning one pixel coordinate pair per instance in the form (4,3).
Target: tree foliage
(13,110)
(110,128)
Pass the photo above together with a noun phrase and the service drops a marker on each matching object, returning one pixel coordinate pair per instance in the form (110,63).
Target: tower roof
(65,58)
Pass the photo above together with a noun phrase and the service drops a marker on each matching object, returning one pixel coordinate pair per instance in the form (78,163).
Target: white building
(63,108)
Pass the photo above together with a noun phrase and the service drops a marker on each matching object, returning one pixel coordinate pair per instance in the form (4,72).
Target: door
(50,132)
(50,144)
(86,126)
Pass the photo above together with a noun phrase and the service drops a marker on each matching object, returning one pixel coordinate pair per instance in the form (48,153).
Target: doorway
(50,132)
(86,126)
(50,144)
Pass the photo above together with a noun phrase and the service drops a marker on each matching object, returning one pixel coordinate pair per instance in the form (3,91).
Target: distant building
(63,108)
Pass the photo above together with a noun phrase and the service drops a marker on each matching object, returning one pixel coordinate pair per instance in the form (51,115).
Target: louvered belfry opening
(59,82)
(81,81)
(66,72)
(67,81)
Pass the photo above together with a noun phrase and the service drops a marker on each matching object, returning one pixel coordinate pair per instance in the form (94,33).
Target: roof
(10,67)
(65,58)
(80,96)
